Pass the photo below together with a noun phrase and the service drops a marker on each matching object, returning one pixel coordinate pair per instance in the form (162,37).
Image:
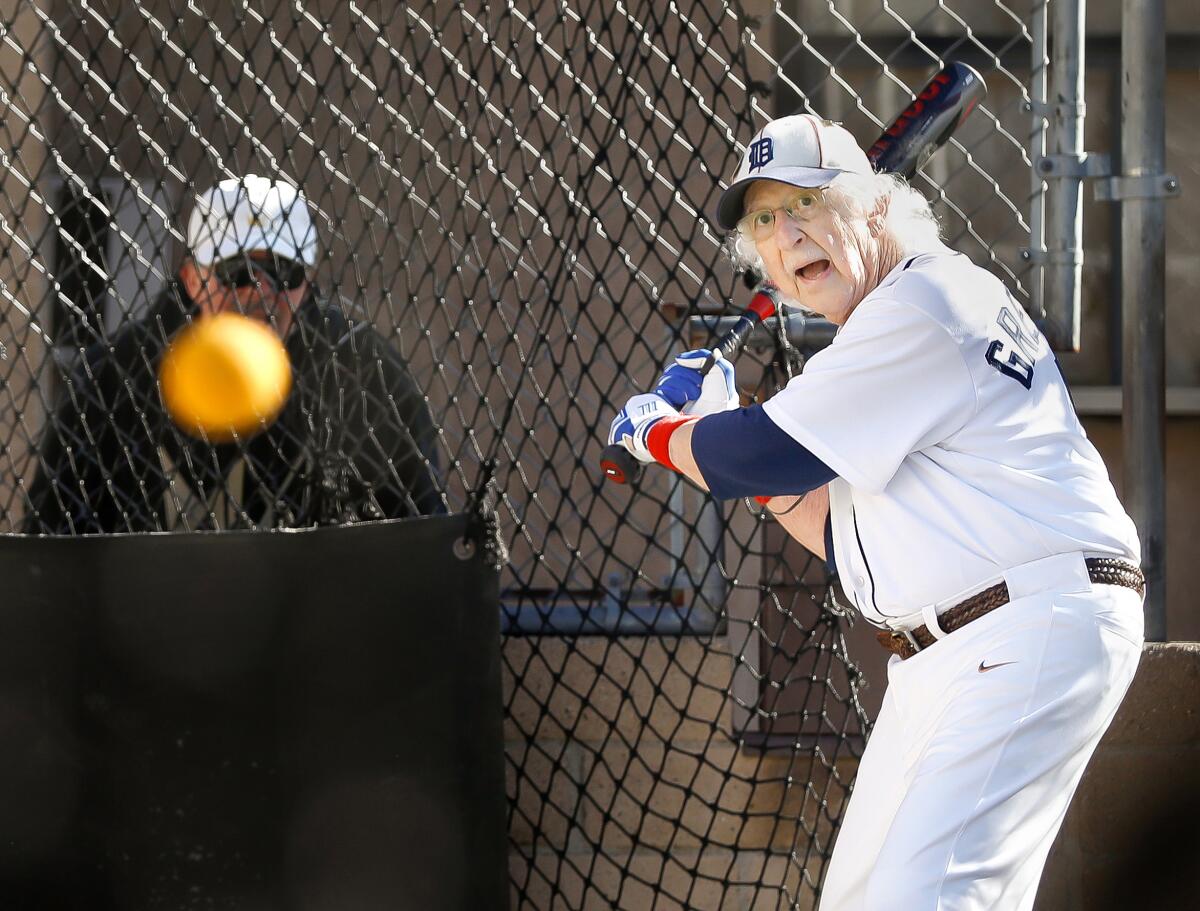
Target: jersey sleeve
(743,453)
(893,382)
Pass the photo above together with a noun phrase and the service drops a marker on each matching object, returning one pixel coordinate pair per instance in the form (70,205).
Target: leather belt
(1101,570)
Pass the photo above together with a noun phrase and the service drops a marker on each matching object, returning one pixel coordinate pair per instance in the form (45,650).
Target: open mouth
(813,270)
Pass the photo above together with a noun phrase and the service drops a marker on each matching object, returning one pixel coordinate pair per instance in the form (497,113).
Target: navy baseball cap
(802,150)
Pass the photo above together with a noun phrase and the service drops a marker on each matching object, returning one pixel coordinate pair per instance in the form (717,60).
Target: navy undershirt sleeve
(743,453)
(830,565)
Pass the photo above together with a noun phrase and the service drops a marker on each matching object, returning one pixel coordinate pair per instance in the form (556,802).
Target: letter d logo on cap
(761,153)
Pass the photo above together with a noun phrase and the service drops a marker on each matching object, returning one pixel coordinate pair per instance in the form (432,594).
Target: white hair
(908,221)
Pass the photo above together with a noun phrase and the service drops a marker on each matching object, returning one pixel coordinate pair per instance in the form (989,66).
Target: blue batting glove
(629,428)
(687,389)
(680,383)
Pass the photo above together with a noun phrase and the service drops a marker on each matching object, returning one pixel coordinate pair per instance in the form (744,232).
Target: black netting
(512,208)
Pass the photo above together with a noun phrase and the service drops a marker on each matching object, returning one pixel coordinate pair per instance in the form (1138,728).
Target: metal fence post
(1038,135)
(1143,265)
(1065,257)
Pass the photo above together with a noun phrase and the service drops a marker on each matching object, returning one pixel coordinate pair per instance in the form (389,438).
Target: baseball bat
(902,148)
(929,121)
(616,461)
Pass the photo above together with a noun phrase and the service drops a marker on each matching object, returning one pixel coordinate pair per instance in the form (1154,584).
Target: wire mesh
(513,207)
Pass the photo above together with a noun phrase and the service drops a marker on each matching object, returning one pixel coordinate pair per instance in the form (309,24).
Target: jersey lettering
(1020,328)
(1017,367)
(996,431)
(1023,336)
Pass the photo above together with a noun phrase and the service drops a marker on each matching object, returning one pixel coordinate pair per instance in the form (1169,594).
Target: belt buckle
(907,636)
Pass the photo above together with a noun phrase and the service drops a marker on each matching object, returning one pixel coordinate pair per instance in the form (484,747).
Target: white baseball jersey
(958,451)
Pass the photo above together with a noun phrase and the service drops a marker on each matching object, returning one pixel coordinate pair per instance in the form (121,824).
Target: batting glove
(629,428)
(685,387)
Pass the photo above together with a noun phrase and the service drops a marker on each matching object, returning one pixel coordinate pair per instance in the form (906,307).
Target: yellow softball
(225,375)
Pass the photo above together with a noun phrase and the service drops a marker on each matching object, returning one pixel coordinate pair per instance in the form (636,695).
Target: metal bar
(1143,274)
(1064,264)
(808,333)
(710,554)
(602,620)
(707,541)
(1039,66)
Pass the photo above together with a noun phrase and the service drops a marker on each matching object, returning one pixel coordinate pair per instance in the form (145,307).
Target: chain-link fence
(513,205)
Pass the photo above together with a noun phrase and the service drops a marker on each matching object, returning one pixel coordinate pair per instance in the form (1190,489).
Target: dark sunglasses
(240,272)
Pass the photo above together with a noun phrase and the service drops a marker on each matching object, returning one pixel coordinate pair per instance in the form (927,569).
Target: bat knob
(619,465)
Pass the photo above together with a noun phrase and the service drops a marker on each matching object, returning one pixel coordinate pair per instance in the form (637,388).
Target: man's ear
(876,220)
(189,277)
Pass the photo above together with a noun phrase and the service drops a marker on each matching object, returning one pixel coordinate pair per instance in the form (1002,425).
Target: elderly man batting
(932,454)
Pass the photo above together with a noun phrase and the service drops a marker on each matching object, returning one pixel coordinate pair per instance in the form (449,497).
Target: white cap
(802,150)
(242,214)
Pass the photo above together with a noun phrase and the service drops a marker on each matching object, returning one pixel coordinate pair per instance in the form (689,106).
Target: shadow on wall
(1159,866)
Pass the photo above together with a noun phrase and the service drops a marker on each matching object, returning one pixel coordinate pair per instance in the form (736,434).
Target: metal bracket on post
(1113,187)
(1085,164)
(1059,109)
(1065,167)
(1141,186)
(1044,257)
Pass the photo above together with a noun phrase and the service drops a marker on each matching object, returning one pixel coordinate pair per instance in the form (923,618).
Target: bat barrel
(928,121)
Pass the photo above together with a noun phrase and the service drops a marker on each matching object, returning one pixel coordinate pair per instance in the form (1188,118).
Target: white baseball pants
(979,746)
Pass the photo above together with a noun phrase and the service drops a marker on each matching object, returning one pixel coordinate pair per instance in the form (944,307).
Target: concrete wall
(1131,838)
(1183,512)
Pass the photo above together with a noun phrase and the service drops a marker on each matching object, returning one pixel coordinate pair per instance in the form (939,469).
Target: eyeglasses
(246,272)
(760,224)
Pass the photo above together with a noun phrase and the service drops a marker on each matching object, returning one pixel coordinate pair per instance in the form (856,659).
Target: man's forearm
(681,454)
(804,518)
(801,517)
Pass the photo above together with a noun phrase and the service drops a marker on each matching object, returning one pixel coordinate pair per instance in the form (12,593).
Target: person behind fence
(932,453)
(354,441)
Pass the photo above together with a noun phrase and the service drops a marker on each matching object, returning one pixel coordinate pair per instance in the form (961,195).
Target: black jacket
(354,441)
